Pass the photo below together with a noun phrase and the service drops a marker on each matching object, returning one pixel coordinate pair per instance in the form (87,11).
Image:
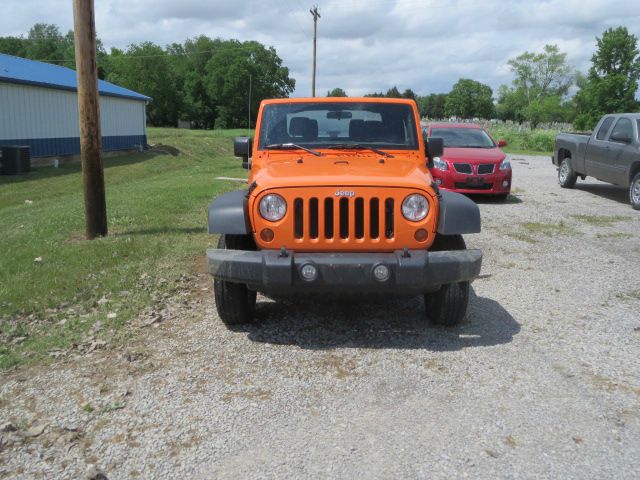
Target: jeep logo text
(345,193)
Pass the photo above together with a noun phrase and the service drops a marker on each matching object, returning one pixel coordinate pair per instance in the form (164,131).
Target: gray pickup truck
(611,154)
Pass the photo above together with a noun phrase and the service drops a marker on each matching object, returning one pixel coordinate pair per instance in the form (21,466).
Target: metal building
(39,108)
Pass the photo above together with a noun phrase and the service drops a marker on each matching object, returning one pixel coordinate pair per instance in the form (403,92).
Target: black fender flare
(229,213)
(458,214)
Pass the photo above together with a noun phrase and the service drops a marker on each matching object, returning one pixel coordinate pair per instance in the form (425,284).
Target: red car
(472,161)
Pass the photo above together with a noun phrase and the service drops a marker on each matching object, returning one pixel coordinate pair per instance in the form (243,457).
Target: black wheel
(566,176)
(634,192)
(448,306)
(236,304)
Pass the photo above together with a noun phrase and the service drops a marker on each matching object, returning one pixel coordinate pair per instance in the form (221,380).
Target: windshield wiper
(357,146)
(289,146)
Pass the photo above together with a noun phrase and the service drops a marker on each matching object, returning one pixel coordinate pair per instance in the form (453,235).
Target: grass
(54,285)
(523,237)
(533,153)
(614,235)
(631,295)
(532,231)
(548,229)
(525,141)
(601,220)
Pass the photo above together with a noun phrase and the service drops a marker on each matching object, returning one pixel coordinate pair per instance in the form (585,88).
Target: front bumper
(490,184)
(270,271)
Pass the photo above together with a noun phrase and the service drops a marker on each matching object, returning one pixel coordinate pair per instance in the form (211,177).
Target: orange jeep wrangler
(340,200)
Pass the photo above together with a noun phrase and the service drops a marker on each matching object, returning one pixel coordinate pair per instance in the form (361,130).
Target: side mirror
(242,147)
(502,143)
(435,147)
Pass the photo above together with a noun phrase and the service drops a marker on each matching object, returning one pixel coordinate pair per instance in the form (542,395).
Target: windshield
(463,137)
(357,124)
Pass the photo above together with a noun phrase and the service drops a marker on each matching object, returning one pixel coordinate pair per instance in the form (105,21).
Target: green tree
(612,81)
(231,69)
(393,92)
(337,92)
(468,99)
(511,104)
(16,46)
(408,93)
(432,106)
(542,74)
(145,68)
(539,89)
(189,63)
(546,109)
(46,43)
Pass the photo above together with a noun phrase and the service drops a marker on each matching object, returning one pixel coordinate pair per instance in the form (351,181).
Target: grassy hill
(54,285)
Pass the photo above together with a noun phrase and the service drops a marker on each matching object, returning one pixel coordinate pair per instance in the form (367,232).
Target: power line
(160,55)
(297,22)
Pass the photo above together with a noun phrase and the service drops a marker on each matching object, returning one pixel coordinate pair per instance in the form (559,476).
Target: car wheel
(235,303)
(502,197)
(634,192)
(448,305)
(566,176)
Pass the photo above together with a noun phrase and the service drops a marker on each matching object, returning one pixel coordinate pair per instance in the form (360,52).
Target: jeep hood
(342,170)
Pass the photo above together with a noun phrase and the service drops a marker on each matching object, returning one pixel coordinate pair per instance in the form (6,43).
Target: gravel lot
(541,381)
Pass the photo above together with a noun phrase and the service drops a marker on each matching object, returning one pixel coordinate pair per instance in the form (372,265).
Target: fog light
(505,183)
(381,273)
(438,181)
(266,234)
(421,235)
(309,272)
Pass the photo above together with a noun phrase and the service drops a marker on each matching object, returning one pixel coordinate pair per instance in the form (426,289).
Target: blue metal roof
(30,72)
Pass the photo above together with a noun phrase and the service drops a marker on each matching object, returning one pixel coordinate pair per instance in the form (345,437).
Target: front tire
(235,303)
(567,177)
(448,306)
(634,192)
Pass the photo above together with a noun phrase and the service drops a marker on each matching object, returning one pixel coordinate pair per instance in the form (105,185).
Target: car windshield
(463,137)
(342,124)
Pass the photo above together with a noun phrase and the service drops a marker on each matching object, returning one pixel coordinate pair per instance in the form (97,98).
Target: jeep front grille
(344,218)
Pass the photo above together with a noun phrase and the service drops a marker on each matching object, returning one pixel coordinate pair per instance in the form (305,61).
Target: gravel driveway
(541,381)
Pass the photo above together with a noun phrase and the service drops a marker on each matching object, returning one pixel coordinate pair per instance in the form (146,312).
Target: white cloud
(363,45)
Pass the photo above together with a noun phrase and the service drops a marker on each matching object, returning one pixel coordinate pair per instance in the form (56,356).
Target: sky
(363,45)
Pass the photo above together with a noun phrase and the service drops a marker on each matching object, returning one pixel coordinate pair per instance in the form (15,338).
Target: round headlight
(415,207)
(273,207)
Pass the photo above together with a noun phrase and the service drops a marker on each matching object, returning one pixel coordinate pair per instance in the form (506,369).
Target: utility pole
(316,16)
(95,205)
